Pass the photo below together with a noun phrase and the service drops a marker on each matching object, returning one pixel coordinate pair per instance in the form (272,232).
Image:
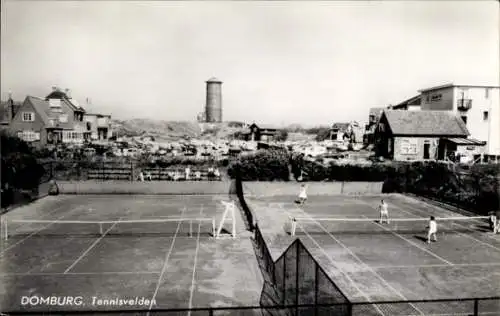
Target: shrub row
(475,187)
(264,165)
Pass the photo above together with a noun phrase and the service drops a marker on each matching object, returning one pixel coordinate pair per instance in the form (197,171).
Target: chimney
(68,93)
(10,108)
(54,88)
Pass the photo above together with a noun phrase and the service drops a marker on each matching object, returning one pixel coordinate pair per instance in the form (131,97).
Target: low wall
(149,187)
(313,188)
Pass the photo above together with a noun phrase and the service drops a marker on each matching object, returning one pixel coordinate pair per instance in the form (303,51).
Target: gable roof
(42,107)
(425,123)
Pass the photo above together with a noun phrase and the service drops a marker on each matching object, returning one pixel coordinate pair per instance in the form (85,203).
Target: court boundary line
(458,265)
(165,264)
(436,208)
(90,247)
(353,283)
(365,264)
(80,273)
(193,277)
(2,253)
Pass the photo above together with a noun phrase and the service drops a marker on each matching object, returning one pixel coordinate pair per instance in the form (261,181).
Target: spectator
(141,176)
(217,174)
(188,171)
(197,175)
(148,176)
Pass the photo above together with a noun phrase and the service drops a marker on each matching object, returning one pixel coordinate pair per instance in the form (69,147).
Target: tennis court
(157,250)
(373,262)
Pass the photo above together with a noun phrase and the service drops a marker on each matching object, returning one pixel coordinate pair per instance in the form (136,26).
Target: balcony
(464,104)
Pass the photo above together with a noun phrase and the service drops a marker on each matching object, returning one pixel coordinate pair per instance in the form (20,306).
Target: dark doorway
(427,148)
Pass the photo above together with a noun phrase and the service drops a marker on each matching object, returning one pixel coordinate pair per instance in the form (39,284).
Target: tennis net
(136,227)
(322,226)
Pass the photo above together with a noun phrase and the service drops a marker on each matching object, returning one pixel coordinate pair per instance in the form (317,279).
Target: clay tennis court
(160,262)
(373,262)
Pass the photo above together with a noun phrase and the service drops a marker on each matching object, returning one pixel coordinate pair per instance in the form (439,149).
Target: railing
(464,104)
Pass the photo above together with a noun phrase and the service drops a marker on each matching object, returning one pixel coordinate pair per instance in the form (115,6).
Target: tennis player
(302,194)
(432,230)
(384,212)
(493,220)
(496,227)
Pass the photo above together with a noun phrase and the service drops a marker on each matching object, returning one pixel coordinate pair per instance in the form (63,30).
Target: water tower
(213,107)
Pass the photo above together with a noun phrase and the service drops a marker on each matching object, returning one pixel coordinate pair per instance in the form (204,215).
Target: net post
(100,228)
(190,228)
(476,307)
(316,289)
(233,211)
(214,233)
(297,262)
(3,225)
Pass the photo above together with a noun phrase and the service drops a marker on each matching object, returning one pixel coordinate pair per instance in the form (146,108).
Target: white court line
(366,265)
(90,247)
(195,261)
(415,244)
(485,264)
(39,230)
(164,268)
(353,283)
(470,237)
(80,273)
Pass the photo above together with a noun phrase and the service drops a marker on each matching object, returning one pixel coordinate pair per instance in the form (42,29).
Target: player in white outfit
(384,211)
(302,194)
(432,230)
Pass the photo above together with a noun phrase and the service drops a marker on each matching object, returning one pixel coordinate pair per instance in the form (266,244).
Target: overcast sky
(281,62)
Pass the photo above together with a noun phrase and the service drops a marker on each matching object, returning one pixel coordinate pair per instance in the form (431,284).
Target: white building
(478,106)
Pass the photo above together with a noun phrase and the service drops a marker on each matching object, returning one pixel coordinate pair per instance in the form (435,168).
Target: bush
(264,165)
(20,170)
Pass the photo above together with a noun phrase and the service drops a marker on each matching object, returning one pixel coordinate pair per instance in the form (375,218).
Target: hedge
(264,165)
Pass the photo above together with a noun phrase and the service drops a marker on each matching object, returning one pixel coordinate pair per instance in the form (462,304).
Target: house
(478,106)
(421,135)
(99,126)
(55,119)
(347,132)
(373,118)
(261,132)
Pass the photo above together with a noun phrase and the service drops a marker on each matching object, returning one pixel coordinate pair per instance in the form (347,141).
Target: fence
(301,287)
(113,170)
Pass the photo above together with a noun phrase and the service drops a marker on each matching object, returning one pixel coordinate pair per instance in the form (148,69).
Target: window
(28,117)
(436,97)
(485,115)
(464,118)
(63,118)
(487,93)
(29,136)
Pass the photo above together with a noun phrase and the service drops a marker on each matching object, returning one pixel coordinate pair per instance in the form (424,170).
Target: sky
(283,62)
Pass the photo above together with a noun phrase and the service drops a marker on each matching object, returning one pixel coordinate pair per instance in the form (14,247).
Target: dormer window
(55,105)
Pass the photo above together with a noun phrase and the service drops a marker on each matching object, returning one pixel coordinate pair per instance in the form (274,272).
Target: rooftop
(425,123)
(213,79)
(450,85)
